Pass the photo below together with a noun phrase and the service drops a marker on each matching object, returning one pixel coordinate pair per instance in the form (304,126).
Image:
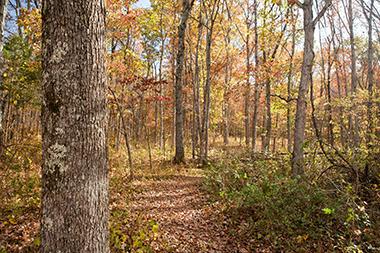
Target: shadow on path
(186,220)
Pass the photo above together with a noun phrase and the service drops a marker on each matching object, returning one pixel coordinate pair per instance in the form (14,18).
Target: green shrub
(285,213)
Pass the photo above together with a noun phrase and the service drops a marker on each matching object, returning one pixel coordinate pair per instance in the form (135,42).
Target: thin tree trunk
(147,135)
(330,124)
(196,88)
(370,81)
(275,135)
(289,84)
(225,91)
(120,110)
(3,14)
(353,119)
(207,86)
(160,105)
(268,120)
(247,89)
(256,89)
(306,79)
(74,122)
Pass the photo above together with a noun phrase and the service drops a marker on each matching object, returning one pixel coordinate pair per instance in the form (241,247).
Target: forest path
(187,222)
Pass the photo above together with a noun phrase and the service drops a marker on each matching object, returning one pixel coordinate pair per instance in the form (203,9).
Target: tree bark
(353,120)
(179,147)
(268,118)
(207,87)
(330,124)
(370,81)
(74,119)
(227,79)
(160,105)
(247,88)
(256,88)
(306,79)
(196,88)
(289,84)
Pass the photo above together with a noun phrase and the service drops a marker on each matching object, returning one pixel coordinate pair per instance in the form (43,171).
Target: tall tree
(368,10)
(309,23)
(353,120)
(74,118)
(256,88)
(179,148)
(3,14)
(211,18)
(289,81)
(196,85)
(247,93)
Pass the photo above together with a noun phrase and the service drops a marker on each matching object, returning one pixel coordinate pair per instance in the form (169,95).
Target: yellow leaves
(302,238)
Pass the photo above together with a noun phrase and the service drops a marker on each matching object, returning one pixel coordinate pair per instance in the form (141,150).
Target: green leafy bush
(267,206)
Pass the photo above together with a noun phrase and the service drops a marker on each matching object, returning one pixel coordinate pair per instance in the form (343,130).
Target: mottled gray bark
(306,78)
(74,117)
(179,146)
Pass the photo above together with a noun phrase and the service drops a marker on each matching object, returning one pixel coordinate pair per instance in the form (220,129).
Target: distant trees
(211,72)
(74,119)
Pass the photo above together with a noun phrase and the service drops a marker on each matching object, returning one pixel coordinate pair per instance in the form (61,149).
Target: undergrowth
(267,207)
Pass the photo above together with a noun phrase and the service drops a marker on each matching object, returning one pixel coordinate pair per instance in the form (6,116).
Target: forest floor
(158,212)
(187,221)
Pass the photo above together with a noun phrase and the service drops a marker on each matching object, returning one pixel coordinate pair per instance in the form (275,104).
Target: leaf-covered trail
(187,222)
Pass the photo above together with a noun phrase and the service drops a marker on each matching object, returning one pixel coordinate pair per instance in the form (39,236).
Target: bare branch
(322,12)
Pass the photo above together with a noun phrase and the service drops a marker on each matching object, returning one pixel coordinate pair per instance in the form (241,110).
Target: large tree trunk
(3,13)
(179,147)
(74,118)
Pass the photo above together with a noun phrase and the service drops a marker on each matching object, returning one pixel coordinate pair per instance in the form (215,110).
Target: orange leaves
(120,17)
(30,20)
